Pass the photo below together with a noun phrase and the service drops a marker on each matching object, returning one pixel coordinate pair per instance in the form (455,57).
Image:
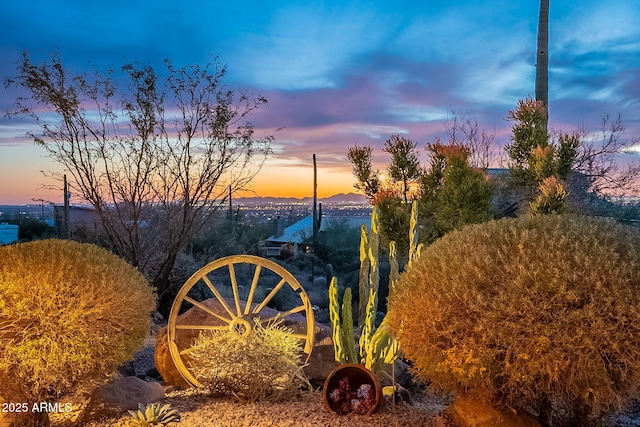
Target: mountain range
(337,199)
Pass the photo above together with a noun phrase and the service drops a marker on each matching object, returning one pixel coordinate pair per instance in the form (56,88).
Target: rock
(121,395)
(320,364)
(164,364)
(469,412)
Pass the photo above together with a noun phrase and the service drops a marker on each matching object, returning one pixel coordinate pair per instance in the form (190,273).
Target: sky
(338,73)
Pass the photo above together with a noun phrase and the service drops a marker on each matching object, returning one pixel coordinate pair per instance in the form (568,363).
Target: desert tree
(367,178)
(153,153)
(601,159)
(404,167)
(535,156)
(464,130)
(450,191)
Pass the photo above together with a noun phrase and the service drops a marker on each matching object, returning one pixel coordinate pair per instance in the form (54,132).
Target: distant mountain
(337,199)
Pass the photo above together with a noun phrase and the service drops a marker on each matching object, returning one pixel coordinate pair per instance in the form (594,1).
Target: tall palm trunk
(542,65)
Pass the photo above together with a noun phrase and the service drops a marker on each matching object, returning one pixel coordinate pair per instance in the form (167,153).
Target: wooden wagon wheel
(237,316)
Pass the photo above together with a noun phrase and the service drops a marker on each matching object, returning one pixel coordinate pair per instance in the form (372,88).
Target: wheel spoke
(269,297)
(234,286)
(254,285)
(206,280)
(204,327)
(286,313)
(206,309)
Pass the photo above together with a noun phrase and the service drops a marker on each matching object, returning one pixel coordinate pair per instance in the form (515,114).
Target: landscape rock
(320,364)
(469,412)
(121,395)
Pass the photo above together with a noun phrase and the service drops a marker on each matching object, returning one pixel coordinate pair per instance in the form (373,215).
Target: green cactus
(348,337)
(339,348)
(413,232)
(328,272)
(154,415)
(394,274)
(376,348)
(363,279)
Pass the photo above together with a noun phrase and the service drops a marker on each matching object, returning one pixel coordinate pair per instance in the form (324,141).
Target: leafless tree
(601,160)
(154,157)
(464,130)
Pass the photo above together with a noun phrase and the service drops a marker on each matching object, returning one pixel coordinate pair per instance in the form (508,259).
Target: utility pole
(67,225)
(542,58)
(315,204)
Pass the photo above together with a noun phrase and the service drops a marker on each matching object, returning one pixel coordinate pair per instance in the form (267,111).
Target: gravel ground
(198,409)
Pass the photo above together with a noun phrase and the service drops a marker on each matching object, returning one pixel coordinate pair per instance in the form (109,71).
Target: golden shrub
(536,313)
(70,314)
(264,364)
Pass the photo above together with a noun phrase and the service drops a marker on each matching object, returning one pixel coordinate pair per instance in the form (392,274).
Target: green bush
(539,314)
(70,314)
(261,364)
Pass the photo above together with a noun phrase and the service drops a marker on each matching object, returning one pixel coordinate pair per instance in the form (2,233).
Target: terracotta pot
(357,376)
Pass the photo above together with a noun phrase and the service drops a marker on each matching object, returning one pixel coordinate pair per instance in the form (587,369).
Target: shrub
(69,313)
(537,313)
(263,364)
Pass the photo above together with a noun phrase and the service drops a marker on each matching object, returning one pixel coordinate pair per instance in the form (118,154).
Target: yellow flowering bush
(540,314)
(70,314)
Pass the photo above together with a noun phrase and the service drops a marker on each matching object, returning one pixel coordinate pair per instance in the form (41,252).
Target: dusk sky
(338,73)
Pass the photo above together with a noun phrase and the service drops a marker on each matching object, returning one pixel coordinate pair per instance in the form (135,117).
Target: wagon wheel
(236,315)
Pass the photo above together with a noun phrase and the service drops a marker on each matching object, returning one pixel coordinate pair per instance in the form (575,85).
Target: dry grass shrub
(262,365)
(536,313)
(70,314)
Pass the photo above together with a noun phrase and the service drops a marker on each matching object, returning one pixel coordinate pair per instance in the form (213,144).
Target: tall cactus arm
(348,337)
(369,325)
(363,281)
(413,232)
(383,349)
(394,274)
(374,268)
(336,329)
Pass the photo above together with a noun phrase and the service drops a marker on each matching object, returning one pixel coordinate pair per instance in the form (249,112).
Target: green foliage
(32,229)
(537,313)
(70,313)
(455,194)
(154,415)
(551,198)
(535,156)
(451,192)
(264,364)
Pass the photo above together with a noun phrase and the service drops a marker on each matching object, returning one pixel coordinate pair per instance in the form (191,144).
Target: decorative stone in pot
(352,388)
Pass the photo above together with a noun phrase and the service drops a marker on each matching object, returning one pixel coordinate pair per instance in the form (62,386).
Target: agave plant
(154,415)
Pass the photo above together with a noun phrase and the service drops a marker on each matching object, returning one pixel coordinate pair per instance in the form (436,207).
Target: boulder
(320,364)
(121,395)
(469,412)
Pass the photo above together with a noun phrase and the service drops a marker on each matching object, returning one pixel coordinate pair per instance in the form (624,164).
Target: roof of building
(302,230)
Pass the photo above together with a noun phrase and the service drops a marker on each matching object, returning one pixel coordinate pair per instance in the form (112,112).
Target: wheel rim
(238,315)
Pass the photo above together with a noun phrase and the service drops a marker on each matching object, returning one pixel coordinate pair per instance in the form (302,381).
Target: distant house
(295,239)
(83,222)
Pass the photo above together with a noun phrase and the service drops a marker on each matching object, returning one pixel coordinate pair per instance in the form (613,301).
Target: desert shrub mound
(70,313)
(536,313)
(264,364)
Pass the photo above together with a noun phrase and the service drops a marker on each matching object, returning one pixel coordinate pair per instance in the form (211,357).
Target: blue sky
(339,73)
